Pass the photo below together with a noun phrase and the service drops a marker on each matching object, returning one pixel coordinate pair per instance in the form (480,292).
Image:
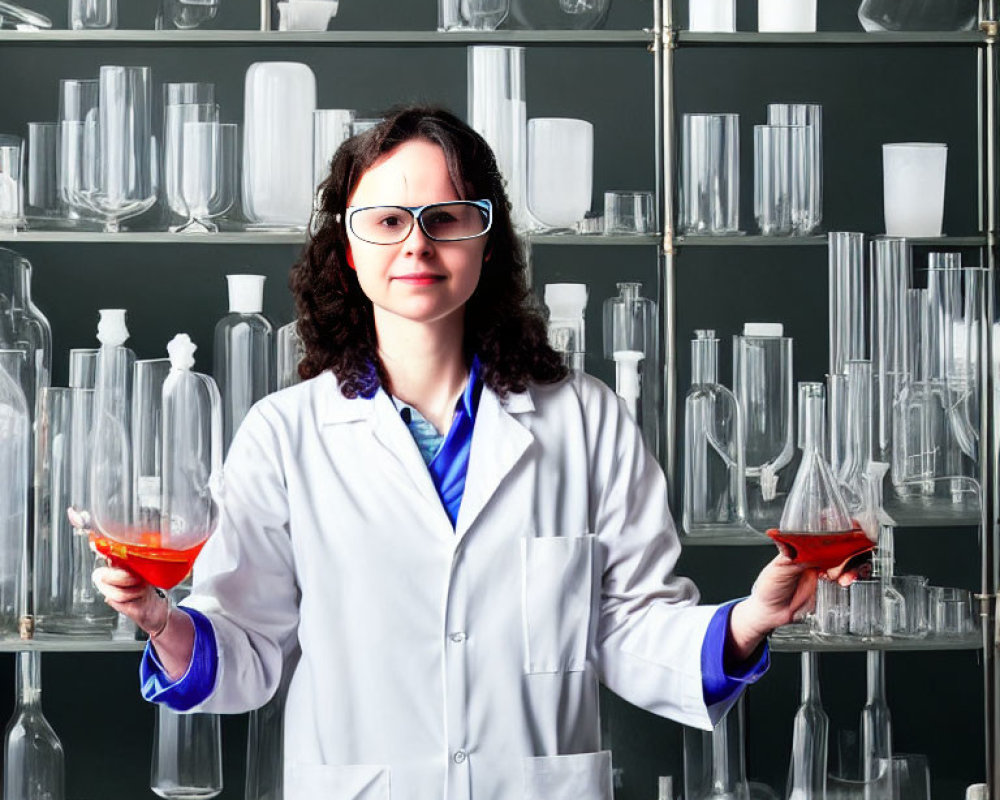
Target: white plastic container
(786,16)
(279,101)
(560,170)
(913,180)
(712,16)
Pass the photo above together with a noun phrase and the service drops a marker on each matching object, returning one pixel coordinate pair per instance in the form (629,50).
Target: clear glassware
(816,526)
(853,472)
(244,341)
(629,213)
(185,14)
(187,756)
(558,14)
(876,731)
(808,216)
(289,352)
(783,156)
(42,201)
(714,487)
(810,731)
(891,268)
(918,15)
(560,171)
(148,377)
(208,174)
(714,762)
(265,749)
(77,157)
(630,325)
(762,383)
(913,186)
(471,15)
(710,175)
(331,128)
(567,304)
(175,117)
(279,101)
(93,14)
(11,183)
(497,103)
(23,326)
(34,765)
(15,466)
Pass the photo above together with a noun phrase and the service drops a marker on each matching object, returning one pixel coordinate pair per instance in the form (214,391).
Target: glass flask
(630,341)
(876,731)
(762,383)
(714,488)
(567,304)
(290,352)
(558,14)
(187,755)
(918,15)
(816,527)
(243,347)
(23,327)
(810,730)
(33,767)
(714,762)
(15,461)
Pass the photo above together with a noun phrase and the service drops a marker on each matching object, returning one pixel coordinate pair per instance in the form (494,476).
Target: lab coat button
(458,637)
(459,757)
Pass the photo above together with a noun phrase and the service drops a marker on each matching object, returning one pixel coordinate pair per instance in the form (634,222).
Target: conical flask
(816,527)
(22,326)
(630,341)
(34,767)
(714,488)
(15,438)
(289,353)
(810,731)
(243,345)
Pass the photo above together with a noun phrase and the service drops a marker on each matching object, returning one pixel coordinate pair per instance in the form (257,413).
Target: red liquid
(823,550)
(160,566)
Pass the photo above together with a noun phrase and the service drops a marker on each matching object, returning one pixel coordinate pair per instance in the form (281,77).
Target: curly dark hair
(504,325)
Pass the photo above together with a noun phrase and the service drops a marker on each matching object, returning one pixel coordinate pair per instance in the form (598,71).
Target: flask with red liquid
(156,524)
(816,528)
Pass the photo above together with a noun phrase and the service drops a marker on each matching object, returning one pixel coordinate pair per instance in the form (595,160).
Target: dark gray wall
(870,95)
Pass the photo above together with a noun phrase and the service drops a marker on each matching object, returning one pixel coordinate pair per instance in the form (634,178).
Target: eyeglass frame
(416,214)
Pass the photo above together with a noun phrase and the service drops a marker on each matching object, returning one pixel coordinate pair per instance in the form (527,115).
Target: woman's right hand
(133,596)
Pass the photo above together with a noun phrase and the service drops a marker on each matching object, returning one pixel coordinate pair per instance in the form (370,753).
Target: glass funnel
(630,341)
(34,765)
(816,527)
(15,460)
(714,488)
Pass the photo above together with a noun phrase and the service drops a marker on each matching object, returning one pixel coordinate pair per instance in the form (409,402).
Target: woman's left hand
(783,592)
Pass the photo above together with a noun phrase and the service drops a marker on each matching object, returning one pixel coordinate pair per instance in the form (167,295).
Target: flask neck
(812,418)
(810,678)
(28,679)
(704,358)
(876,677)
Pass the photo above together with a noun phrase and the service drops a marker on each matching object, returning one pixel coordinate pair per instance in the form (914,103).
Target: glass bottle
(714,489)
(714,763)
(34,767)
(630,341)
(567,303)
(290,352)
(243,345)
(15,458)
(810,731)
(876,732)
(816,527)
(22,326)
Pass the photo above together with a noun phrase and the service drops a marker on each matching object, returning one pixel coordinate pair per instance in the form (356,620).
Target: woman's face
(418,279)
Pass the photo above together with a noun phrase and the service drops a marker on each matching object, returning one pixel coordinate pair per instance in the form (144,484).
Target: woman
(461,538)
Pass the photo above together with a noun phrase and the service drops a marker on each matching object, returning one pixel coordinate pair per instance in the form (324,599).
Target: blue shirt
(447,459)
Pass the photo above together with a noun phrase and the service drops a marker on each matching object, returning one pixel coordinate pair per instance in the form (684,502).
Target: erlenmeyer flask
(816,527)
(33,768)
(187,755)
(290,352)
(714,488)
(243,346)
(810,730)
(714,763)
(23,327)
(15,443)
(630,341)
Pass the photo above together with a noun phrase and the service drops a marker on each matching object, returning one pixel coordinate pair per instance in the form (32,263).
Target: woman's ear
(350,257)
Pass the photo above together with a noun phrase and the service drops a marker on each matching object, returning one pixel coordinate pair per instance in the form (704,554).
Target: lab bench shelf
(751,38)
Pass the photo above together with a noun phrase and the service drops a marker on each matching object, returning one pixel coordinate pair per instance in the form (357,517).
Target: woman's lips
(419,278)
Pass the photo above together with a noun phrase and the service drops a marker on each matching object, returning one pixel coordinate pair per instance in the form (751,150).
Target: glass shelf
(725,537)
(44,643)
(743,38)
(244,37)
(847,644)
(271,237)
(936,512)
(806,241)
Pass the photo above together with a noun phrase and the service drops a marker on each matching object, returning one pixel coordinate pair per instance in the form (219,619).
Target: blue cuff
(195,685)
(718,684)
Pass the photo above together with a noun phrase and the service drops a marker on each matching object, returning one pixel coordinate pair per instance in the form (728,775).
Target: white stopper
(111,328)
(246,294)
(566,300)
(627,377)
(181,351)
(771,330)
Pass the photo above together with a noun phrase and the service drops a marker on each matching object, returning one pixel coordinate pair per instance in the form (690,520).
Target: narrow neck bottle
(812,418)
(28,680)
(810,679)
(704,358)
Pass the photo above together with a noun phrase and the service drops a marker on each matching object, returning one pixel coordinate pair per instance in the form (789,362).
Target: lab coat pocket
(347,782)
(585,776)
(556,592)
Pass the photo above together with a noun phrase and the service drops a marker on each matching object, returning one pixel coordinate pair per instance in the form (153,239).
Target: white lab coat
(453,664)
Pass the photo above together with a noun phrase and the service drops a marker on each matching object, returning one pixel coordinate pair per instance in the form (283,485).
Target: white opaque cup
(913,180)
(785,16)
(560,170)
(712,16)
(306,15)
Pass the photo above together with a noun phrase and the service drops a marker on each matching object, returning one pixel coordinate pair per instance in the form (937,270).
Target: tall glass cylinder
(175,117)
(265,748)
(34,765)
(42,194)
(710,175)
(15,461)
(853,471)
(876,731)
(714,761)
(24,327)
(847,283)
(279,101)
(808,214)
(496,109)
(810,731)
(187,755)
(782,183)
(891,267)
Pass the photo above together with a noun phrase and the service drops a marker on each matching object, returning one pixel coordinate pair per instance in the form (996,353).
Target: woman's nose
(417,242)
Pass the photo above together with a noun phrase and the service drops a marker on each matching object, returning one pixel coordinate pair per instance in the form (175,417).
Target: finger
(117,595)
(805,592)
(118,576)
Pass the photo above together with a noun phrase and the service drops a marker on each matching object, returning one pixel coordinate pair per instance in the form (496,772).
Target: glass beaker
(15,466)
(290,352)
(42,193)
(782,175)
(34,764)
(185,14)
(714,762)
(810,731)
(714,487)
(496,103)
(560,171)
(93,14)
(913,186)
(816,527)
(630,325)
(77,144)
(187,755)
(808,214)
(471,15)
(208,174)
(710,175)
(331,128)
(175,117)
(567,304)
